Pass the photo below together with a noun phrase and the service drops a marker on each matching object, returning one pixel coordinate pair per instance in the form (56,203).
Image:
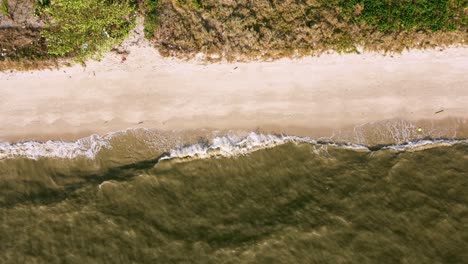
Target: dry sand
(344,97)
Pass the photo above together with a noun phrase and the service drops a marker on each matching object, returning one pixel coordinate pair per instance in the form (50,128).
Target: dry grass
(265,29)
(21,46)
(17,43)
(27,65)
(23,49)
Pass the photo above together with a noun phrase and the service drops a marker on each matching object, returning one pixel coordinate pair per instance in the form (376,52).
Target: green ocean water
(293,203)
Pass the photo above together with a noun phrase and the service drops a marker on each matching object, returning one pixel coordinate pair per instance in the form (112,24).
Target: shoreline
(385,132)
(319,97)
(206,146)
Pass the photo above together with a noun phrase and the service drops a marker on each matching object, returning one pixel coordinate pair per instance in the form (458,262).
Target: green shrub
(43,3)
(149,8)
(390,15)
(86,28)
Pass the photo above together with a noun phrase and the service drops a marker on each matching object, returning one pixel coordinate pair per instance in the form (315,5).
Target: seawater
(233,199)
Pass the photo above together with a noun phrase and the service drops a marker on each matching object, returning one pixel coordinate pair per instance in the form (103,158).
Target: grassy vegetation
(240,30)
(150,9)
(273,29)
(5,8)
(86,28)
(389,15)
(193,3)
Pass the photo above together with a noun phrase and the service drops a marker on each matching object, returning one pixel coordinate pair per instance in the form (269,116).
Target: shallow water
(258,199)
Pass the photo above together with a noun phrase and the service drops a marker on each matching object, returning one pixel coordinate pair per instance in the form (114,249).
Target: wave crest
(86,147)
(228,146)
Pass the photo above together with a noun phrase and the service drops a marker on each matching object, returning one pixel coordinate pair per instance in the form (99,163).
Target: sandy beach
(333,96)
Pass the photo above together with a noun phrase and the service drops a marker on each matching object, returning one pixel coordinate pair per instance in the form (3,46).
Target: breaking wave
(86,147)
(232,145)
(228,146)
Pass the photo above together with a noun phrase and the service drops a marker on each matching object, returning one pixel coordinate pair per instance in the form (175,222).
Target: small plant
(43,3)
(5,9)
(192,3)
(39,6)
(196,4)
(150,9)
(86,28)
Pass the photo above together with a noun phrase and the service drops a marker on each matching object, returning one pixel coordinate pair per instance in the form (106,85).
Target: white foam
(415,145)
(228,146)
(85,147)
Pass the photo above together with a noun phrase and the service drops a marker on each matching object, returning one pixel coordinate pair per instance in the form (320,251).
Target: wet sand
(331,96)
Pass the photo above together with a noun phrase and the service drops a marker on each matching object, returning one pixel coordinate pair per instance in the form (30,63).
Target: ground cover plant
(86,28)
(34,34)
(149,8)
(388,15)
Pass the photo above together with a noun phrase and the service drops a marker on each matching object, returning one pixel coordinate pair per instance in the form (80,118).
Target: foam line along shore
(228,145)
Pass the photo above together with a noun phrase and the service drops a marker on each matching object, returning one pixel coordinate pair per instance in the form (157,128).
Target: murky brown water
(292,203)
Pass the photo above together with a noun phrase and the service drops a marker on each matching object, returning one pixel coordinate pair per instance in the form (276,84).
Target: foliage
(389,15)
(244,29)
(265,29)
(5,8)
(193,3)
(43,3)
(86,28)
(149,8)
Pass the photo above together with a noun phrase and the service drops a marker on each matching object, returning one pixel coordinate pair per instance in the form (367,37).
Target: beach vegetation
(232,30)
(21,44)
(42,3)
(390,16)
(264,29)
(5,9)
(150,10)
(193,3)
(86,28)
